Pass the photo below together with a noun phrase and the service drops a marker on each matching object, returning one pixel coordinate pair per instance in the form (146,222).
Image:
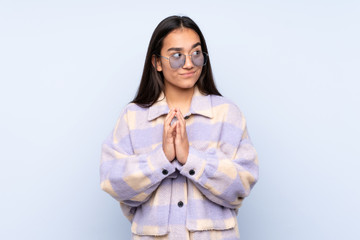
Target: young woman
(179,160)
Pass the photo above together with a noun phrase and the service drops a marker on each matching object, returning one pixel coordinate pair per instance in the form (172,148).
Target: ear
(156,63)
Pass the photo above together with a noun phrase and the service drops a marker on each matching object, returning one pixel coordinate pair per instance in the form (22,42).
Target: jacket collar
(200,104)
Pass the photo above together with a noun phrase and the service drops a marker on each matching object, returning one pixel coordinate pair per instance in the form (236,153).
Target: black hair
(152,81)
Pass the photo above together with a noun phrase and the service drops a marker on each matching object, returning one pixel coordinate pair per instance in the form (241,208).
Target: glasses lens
(199,58)
(177,61)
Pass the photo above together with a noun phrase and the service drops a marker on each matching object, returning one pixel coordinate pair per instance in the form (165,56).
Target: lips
(188,74)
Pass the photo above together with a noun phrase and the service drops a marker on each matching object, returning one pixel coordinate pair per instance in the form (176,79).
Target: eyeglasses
(177,60)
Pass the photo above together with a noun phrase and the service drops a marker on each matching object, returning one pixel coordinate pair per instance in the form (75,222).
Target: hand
(169,136)
(181,139)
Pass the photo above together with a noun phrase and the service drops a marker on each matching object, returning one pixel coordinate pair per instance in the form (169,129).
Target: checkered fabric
(168,200)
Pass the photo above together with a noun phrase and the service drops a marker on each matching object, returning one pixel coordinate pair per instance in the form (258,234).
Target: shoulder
(224,102)
(131,112)
(131,117)
(132,108)
(134,115)
(228,109)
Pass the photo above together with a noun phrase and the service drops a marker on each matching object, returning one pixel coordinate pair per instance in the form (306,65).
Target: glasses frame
(206,57)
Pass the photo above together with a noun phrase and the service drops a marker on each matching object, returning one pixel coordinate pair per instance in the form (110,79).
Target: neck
(179,98)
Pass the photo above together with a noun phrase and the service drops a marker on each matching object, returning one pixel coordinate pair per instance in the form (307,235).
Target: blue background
(68,68)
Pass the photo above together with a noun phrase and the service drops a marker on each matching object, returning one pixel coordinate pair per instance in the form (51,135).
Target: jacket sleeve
(225,174)
(128,177)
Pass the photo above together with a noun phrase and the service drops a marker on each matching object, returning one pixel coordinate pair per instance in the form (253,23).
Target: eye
(176,55)
(196,53)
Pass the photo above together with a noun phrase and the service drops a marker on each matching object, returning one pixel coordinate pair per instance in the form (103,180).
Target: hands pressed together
(175,141)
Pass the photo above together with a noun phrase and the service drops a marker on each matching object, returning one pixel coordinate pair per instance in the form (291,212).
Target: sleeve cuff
(195,164)
(159,164)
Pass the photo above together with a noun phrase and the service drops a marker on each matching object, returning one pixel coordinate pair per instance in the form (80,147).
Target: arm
(128,177)
(225,174)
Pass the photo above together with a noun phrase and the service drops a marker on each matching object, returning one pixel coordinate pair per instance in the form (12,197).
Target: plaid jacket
(205,193)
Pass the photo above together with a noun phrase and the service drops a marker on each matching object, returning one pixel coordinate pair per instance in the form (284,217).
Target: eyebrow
(180,49)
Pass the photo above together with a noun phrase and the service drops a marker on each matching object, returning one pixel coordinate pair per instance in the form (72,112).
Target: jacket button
(165,172)
(180,204)
(192,172)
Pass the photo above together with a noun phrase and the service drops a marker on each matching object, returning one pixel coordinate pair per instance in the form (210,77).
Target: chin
(183,83)
(187,83)
(187,86)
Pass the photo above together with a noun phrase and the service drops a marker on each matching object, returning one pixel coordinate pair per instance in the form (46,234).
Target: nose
(188,62)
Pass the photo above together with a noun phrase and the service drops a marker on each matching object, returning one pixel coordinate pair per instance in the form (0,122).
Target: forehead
(180,38)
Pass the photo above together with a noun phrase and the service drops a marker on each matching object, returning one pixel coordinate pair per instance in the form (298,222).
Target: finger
(173,126)
(169,113)
(172,129)
(173,132)
(181,116)
(169,117)
(180,112)
(182,123)
(178,131)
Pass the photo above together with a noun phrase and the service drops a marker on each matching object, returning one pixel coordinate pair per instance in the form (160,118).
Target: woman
(179,159)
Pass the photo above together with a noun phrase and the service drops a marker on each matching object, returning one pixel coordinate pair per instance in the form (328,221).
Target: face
(180,41)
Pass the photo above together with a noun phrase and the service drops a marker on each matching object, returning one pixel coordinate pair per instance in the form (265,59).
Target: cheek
(169,73)
(198,73)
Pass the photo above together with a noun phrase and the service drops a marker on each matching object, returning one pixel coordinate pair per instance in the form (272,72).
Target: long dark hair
(152,81)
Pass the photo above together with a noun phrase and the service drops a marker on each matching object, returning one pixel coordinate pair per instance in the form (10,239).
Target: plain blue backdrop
(68,68)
